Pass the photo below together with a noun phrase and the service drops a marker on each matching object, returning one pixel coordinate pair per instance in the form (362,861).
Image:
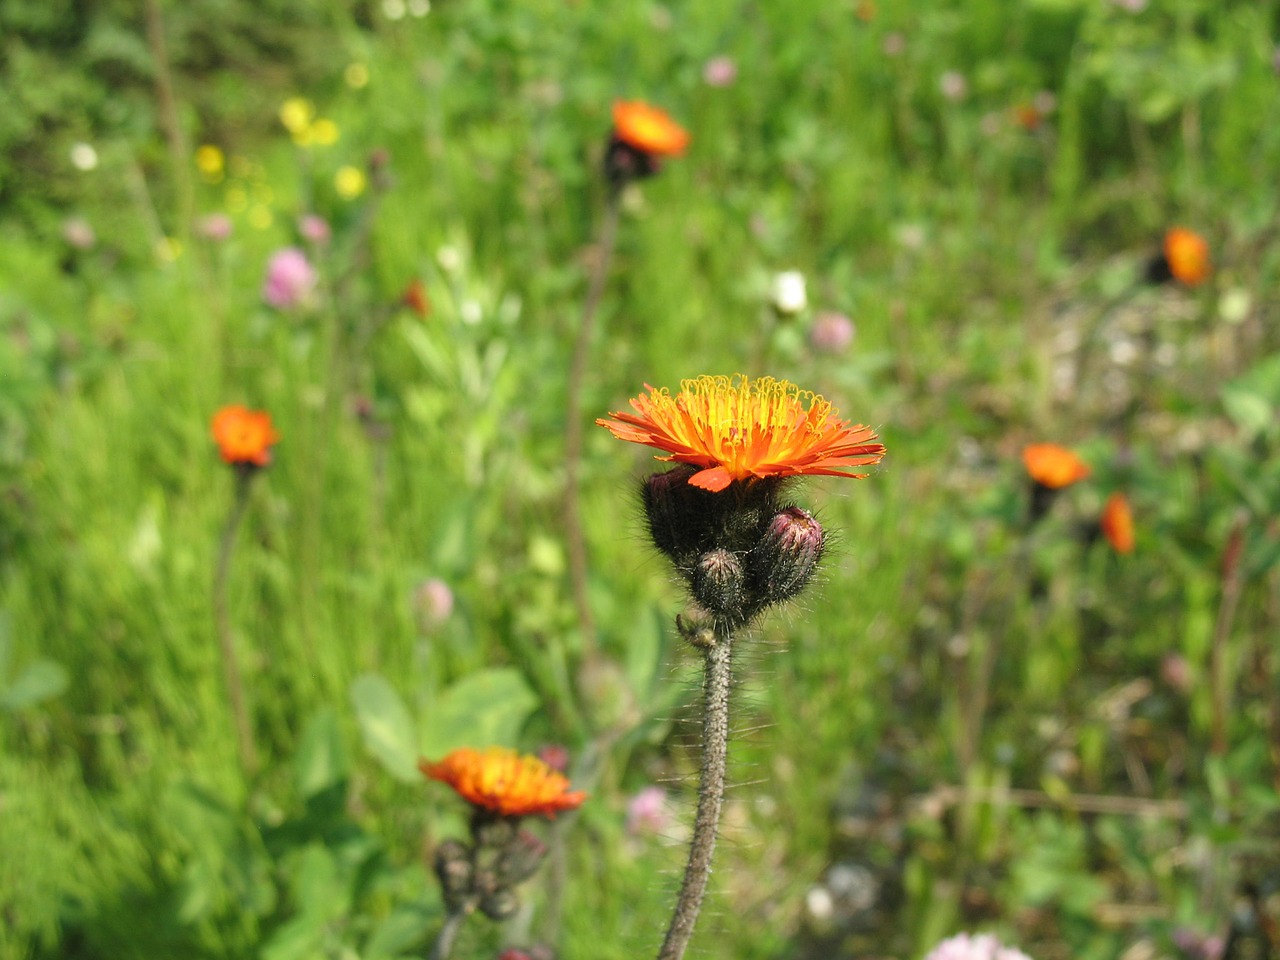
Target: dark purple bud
(520,859)
(784,560)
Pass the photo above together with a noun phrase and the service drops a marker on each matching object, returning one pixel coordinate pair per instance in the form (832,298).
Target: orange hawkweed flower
(736,428)
(1053,466)
(504,781)
(1117,523)
(244,436)
(1187,255)
(648,129)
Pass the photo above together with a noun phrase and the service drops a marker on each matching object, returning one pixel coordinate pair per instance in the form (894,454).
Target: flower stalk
(706,823)
(232,676)
(575,539)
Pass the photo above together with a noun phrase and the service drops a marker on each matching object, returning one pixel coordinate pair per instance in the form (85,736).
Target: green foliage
(940,711)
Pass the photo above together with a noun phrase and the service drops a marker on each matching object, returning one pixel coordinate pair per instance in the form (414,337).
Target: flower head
(648,129)
(967,946)
(244,436)
(647,812)
(1117,523)
(1186,254)
(1052,466)
(787,293)
(290,281)
(504,781)
(736,428)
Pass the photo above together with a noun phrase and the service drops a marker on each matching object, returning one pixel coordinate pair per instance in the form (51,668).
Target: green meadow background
(968,723)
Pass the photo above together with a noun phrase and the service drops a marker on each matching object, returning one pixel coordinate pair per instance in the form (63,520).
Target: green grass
(968,251)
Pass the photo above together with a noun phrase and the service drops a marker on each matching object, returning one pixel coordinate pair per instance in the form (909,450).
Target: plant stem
(1219,674)
(575,540)
(167,113)
(448,935)
(715,752)
(222,620)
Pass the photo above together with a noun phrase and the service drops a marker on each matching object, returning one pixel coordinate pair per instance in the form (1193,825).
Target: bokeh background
(972,722)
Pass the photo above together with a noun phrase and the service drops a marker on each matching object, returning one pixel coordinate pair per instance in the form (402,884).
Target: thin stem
(222,620)
(575,540)
(448,935)
(715,753)
(1219,675)
(167,111)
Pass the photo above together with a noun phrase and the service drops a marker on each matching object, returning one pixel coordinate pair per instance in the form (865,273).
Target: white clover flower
(83,156)
(788,292)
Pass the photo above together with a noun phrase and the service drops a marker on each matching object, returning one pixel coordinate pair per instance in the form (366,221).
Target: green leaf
(41,680)
(386,726)
(406,928)
(485,709)
(321,761)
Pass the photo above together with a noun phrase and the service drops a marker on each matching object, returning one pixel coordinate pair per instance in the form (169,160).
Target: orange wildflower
(648,129)
(1053,466)
(736,428)
(1117,523)
(504,781)
(244,436)
(416,299)
(1187,255)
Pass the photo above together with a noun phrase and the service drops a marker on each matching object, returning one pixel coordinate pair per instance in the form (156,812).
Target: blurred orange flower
(504,781)
(416,299)
(735,428)
(1187,255)
(244,436)
(648,129)
(1117,523)
(1053,466)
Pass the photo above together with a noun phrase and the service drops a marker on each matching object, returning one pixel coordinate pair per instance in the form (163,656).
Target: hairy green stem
(715,753)
(222,620)
(448,935)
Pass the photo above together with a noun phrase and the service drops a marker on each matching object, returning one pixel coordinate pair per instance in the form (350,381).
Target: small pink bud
(719,72)
(433,604)
(315,229)
(216,227)
(831,332)
(647,812)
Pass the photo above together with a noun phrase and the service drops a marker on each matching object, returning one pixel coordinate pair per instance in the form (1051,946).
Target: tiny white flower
(419,8)
(393,9)
(83,156)
(788,294)
(449,258)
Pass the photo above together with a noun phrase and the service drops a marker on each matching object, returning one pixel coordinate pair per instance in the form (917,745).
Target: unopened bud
(454,869)
(784,560)
(719,584)
(500,905)
(673,514)
(521,859)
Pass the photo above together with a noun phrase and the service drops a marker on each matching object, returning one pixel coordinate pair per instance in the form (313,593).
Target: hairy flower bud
(784,560)
(676,511)
(520,859)
(719,584)
(500,904)
(455,871)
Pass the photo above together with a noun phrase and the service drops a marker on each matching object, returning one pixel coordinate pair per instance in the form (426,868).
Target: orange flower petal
(648,129)
(736,428)
(244,435)
(1053,466)
(504,781)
